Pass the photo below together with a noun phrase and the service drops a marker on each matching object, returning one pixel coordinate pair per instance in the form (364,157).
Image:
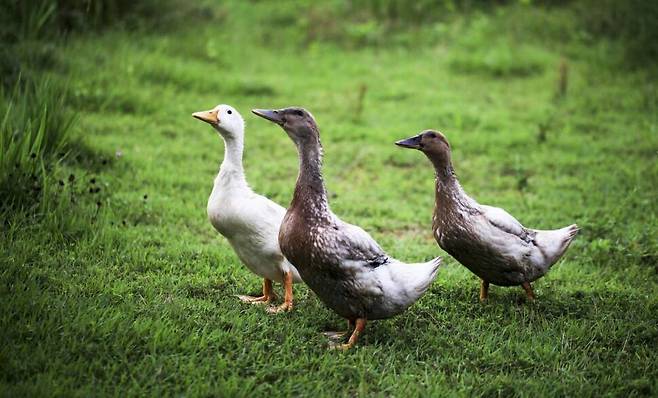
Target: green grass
(129,291)
(35,129)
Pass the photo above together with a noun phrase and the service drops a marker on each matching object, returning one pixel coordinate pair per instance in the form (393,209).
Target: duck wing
(505,222)
(357,245)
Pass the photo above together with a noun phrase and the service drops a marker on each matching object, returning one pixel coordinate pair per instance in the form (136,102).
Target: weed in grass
(34,131)
(360,98)
(562,80)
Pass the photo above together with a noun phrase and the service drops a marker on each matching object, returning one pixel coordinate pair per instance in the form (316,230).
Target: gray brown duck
(340,262)
(487,240)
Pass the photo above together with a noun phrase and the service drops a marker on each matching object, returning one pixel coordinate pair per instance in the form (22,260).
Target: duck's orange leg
(287,297)
(528,290)
(268,294)
(340,335)
(360,325)
(484,290)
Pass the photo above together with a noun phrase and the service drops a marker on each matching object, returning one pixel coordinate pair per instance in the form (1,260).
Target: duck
(249,222)
(487,240)
(340,262)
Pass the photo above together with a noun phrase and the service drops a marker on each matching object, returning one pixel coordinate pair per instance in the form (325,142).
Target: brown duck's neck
(310,194)
(448,192)
(445,174)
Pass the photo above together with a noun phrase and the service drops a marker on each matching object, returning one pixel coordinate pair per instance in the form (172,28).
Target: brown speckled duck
(487,240)
(340,262)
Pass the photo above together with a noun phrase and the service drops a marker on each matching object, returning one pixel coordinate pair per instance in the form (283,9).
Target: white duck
(340,262)
(250,222)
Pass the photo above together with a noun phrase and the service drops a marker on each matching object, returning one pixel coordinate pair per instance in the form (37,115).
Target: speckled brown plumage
(487,240)
(340,262)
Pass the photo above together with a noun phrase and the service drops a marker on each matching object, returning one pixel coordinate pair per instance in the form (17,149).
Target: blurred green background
(113,282)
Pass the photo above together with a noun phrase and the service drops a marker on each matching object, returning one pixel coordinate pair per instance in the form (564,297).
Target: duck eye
(432,135)
(229,112)
(299,113)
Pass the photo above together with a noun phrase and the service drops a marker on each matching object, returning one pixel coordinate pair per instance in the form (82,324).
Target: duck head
(297,122)
(225,119)
(433,144)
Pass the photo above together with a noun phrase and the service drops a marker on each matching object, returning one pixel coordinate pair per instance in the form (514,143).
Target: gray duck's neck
(310,194)
(449,193)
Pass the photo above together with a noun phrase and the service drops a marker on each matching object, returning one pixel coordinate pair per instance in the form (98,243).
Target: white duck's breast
(224,211)
(251,225)
(261,261)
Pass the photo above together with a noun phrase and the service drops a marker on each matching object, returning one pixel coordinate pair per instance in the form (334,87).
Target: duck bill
(269,114)
(412,142)
(209,117)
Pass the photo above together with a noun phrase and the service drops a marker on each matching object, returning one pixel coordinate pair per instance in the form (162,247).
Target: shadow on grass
(611,316)
(88,158)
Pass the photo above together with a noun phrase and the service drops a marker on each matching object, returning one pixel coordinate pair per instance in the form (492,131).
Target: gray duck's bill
(269,114)
(412,142)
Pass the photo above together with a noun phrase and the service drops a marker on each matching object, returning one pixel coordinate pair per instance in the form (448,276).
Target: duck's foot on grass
(340,346)
(287,295)
(267,297)
(256,300)
(285,307)
(359,326)
(335,336)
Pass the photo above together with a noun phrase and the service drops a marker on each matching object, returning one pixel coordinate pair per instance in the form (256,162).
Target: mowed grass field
(123,288)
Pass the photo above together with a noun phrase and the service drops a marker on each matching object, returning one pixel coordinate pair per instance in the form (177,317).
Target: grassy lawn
(129,291)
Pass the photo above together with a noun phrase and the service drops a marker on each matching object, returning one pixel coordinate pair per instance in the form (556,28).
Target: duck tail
(555,243)
(417,277)
(433,265)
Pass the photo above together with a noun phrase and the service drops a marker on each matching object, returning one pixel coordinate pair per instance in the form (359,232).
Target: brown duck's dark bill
(412,142)
(269,114)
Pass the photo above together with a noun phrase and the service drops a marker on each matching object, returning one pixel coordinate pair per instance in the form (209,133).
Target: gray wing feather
(502,220)
(358,245)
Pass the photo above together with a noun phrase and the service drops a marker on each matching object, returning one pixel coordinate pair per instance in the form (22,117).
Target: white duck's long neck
(231,173)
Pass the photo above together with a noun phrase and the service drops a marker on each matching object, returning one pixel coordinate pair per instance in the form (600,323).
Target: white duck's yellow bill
(207,116)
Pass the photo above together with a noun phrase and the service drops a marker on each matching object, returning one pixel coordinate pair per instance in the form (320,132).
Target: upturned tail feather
(422,274)
(556,242)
